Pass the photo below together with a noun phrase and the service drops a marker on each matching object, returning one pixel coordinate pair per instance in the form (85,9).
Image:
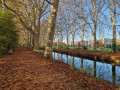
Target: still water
(104,71)
(98,69)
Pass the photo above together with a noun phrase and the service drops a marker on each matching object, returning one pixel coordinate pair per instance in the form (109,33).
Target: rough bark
(61,38)
(67,41)
(51,29)
(57,40)
(95,23)
(95,36)
(36,43)
(113,19)
(82,26)
(82,39)
(73,40)
(114,27)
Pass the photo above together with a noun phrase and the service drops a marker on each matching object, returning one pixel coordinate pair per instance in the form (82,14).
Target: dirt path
(27,70)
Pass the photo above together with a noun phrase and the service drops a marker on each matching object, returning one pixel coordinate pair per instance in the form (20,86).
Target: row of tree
(85,16)
(89,17)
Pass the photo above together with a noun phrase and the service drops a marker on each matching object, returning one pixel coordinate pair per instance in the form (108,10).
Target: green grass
(101,49)
(74,47)
(98,49)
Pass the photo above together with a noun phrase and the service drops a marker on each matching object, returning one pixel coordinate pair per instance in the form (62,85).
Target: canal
(98,69)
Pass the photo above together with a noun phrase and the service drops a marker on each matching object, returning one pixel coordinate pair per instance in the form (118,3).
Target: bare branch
(27,27)
(48,2)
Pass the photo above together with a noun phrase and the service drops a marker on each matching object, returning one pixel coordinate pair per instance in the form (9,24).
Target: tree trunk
(82,26)
(73,41)
(36,43)
(114,28)
(61,41)
(95,36)
(57,40)
(51,29)
(67,41)
(114,39)
(82,39)
(30,41)
(73,35)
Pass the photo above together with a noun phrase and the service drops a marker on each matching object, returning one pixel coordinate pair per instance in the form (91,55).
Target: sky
(106,30)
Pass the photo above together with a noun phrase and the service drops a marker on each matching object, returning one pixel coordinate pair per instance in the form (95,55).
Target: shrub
(102,49)
(84,47)
(4,44)
(8,35)
(110,46)
(118,48)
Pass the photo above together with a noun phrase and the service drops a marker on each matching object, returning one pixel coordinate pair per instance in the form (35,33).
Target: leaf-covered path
(27,70)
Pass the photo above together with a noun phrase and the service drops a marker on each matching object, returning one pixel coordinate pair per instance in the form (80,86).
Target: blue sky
(106,30)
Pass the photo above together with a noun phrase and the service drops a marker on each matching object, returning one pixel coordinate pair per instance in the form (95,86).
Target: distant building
(85,43)
(78,43)
(106,42)
(90,43)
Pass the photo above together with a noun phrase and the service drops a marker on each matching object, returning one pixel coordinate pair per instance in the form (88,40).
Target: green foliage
(4,41)
(84,47)
(110,46)
(118,48)
(97,45)
(8,35)
(114,46)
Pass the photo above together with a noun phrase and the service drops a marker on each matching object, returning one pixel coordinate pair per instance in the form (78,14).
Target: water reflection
(61,57)
(81,62)
(73,61)
(113,74)
(95,68)
(98,69)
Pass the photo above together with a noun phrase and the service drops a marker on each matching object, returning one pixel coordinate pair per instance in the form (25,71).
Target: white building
(106,41)
(85,43)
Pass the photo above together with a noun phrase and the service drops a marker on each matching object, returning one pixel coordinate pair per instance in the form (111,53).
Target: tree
(83,16)
(95,12)
(74,23)
(51,29)
(112,12)
(29,13)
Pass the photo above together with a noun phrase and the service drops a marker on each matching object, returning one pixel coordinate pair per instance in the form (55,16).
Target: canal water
(104,71)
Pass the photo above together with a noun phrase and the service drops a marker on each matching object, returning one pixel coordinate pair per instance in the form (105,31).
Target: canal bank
(112,58)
